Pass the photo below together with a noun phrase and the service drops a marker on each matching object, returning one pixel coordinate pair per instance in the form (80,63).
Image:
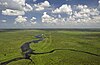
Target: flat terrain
(87,41)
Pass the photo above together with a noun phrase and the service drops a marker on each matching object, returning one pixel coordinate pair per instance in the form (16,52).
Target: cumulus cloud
(82,13)
(46,18)
(34,0)
(52,20)
(15,6)
(65,14)
(4,4)
(20,19)
(27,7)
(42,6)
(96,19)
(3,21)
(63,9)
(78,14)
(33,20)
(12,12)
(98,5)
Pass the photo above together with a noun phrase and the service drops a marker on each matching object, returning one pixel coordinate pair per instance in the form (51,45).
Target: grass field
(88,41)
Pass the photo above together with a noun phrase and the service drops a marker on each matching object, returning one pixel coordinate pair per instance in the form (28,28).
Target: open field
(87,41)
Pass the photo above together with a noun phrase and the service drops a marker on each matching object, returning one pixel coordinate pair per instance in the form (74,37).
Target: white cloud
(96,19)
(99,1)
(34,0)
(83,14)
(52,20)
(4,4)
(15,5)
(12,12)
(27,7)
(83,9)
(63,9)
(98,5)
(33,20)
(20,19)
(3,21)
(42,6)
(46,18)
(78,15)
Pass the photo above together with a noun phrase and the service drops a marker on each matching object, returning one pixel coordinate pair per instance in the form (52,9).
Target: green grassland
(88,41)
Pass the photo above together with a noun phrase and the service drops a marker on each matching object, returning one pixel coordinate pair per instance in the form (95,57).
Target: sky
(49,13)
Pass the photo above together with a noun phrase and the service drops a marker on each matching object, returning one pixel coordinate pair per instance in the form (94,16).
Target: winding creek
(27,51)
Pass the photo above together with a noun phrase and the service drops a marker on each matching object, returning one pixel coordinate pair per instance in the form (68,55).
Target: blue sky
(49,14)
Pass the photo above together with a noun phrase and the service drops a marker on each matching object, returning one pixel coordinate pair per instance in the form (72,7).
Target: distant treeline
(8,30)
(50,29)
